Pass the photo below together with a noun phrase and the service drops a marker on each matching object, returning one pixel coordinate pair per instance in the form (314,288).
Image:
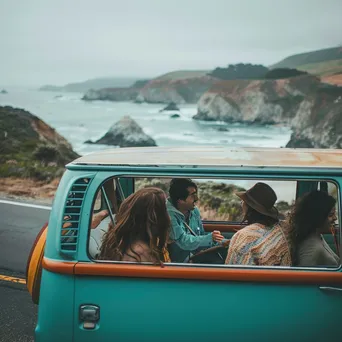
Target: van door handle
(330,289)
(89,315)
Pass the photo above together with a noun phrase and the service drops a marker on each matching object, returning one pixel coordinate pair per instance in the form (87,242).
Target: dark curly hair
(179,189)
(308,215)
(252,216)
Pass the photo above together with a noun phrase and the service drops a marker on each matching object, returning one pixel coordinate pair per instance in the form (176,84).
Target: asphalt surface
(19,227)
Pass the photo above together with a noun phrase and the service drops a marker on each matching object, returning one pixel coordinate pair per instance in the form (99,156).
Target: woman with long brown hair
(141,231)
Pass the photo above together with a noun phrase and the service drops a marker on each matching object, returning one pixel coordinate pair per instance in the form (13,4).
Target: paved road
(19,226)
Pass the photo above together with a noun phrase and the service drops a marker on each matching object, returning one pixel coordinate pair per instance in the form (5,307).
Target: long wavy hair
(142,217)
(251,216)
(309,215)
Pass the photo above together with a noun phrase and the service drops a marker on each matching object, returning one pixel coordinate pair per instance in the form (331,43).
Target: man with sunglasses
(187,233)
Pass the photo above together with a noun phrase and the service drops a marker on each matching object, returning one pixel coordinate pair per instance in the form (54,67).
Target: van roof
(219,156)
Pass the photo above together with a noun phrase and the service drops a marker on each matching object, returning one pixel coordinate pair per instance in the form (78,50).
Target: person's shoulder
(171,209)
(254,227)
(197,212)
(252,230)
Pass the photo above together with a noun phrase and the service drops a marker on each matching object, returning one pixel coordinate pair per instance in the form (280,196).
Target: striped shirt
(257,244)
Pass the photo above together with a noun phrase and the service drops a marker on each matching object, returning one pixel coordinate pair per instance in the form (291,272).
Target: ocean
(78,121)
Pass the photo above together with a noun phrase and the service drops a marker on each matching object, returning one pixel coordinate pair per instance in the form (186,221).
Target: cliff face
(188,90)
(29,147)
(318,122)
(160,90)
(335,79)
(115,94)
(312,109)
(265,102)
(111,94)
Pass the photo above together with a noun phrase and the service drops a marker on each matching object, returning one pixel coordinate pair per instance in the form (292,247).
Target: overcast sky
(60,41)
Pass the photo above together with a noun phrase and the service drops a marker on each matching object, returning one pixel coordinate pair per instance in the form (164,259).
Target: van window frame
(233,176)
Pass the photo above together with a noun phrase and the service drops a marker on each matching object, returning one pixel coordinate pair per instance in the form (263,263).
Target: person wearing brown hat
(262,241)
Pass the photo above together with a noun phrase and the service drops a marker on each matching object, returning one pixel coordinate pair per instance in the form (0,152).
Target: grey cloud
(59,41)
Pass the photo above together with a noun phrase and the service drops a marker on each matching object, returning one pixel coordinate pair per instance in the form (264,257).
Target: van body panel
(55,311)
(136,307)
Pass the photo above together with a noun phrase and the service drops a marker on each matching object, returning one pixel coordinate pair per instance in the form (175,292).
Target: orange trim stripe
(63,267)
(202,273)
(196,273)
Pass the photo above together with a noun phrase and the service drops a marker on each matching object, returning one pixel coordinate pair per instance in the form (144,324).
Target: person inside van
(141,231)
(262,241)
(313,214)
(187,233)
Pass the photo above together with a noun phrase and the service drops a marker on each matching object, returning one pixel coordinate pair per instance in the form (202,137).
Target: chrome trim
(330,289)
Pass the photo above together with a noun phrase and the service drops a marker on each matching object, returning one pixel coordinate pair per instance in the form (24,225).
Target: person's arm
(216,235)
(187,241)
(98,217)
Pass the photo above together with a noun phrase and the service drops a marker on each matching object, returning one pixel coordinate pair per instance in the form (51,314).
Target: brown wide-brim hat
(261,197)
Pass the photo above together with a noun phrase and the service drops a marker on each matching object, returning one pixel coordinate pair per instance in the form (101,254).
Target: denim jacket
(183,241)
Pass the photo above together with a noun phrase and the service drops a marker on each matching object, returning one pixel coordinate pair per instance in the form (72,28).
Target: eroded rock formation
(125,133)
(312,109)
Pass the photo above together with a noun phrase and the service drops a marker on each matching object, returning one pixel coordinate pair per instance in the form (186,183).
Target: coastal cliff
(115,94)
(178,91)
(259,101)
(30,148)
(111,94)
(318,122)
(311,108)
(175,87)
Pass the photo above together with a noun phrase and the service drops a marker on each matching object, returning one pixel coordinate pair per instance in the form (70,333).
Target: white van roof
(214,156)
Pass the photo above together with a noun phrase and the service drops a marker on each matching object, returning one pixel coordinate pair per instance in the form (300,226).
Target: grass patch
(323,68)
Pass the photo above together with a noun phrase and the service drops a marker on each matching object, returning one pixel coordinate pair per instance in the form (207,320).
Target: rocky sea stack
(125,133)
(30,148)
(170,107)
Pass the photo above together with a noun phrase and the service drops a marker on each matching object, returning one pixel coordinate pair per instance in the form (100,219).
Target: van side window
(228,206)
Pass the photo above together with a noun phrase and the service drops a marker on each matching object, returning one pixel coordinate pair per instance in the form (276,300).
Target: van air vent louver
(71,215)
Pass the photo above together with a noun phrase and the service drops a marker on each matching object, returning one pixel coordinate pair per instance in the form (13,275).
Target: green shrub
(46,153)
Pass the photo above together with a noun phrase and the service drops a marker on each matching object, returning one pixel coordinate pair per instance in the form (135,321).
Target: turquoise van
(84,299)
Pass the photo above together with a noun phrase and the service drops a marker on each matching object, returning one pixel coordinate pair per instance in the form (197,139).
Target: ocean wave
(184,138)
